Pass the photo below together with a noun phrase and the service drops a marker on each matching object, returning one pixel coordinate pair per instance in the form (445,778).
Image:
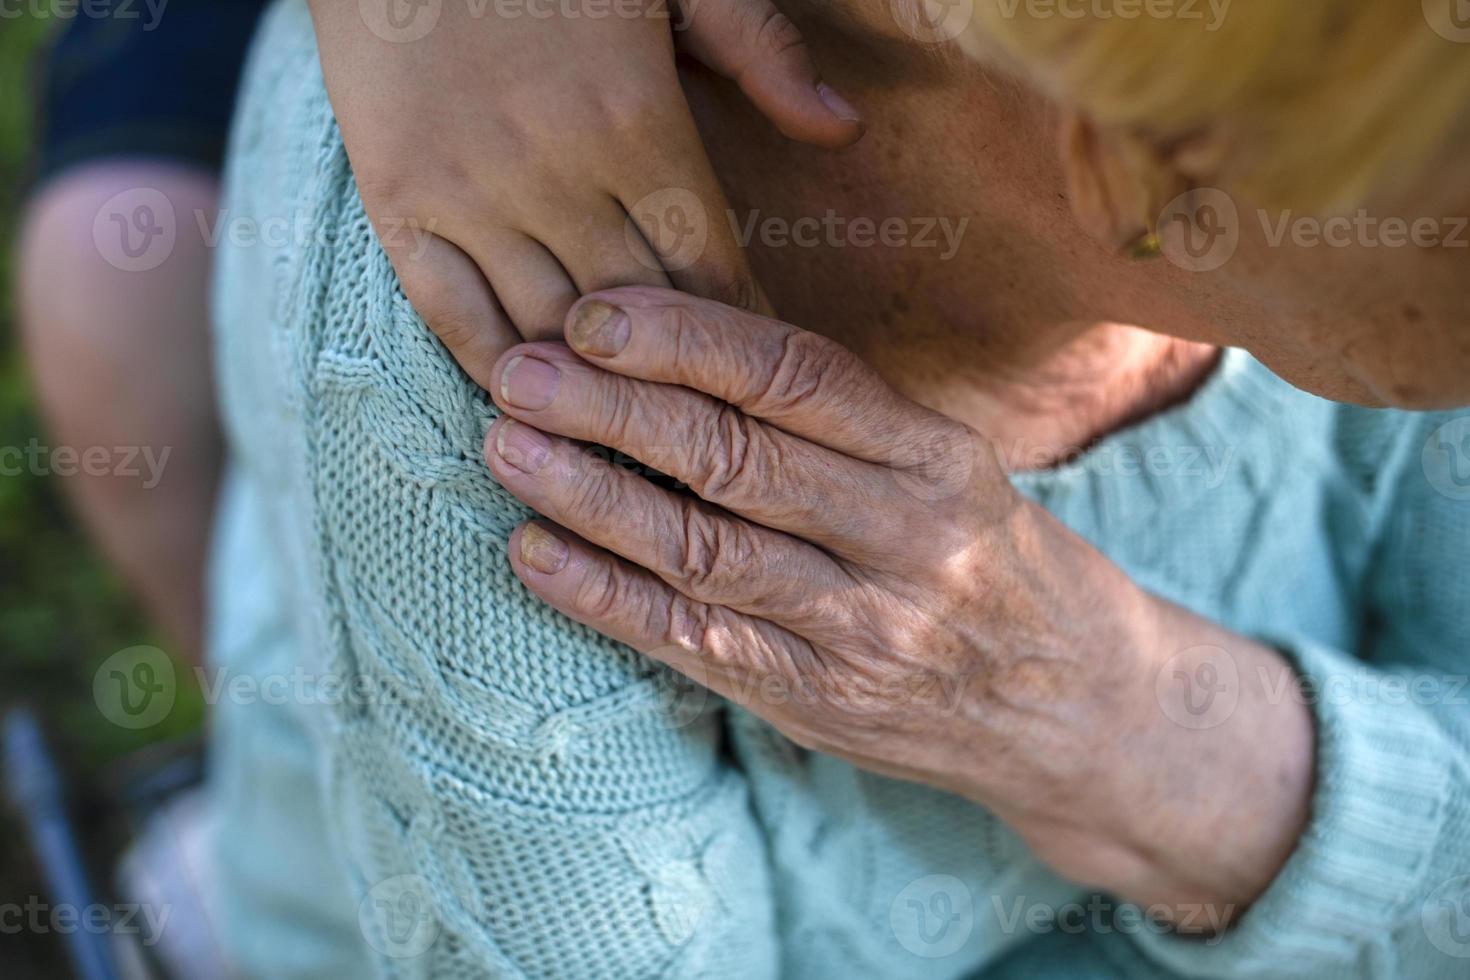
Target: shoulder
(1376,454)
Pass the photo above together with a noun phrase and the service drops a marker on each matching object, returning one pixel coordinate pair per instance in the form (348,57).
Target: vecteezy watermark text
(669,229)
(833,230)
(126,462)
(136,230)
(148,11)
(1200,687)
(136,687)
(1098,915)
(37,916)
(1208,464)
(406,21)
(1201,229)
(1210,13)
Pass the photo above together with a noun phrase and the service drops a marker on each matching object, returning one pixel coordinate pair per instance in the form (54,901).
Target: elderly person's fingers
(720,648)
(791,378)
(705,553)
(726,457)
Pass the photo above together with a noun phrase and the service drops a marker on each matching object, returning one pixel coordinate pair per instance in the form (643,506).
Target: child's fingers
(448,290)
(594,244)
(699,251)
(533,288)
(676,207)
(754,44)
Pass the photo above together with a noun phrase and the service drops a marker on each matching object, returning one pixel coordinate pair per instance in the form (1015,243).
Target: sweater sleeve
(562,805)
(516,796)
(1378,887)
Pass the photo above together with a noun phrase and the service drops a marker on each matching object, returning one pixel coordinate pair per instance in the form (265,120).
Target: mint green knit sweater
(504,793)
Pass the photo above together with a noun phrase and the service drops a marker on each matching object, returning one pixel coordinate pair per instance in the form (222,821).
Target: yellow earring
(1145,246)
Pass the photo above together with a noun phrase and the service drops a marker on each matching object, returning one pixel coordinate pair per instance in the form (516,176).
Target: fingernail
(522,446)
(839,106)
(599,329)
(541,550)
(528,382)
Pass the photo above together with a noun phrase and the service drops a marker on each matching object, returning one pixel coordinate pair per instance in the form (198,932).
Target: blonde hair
(1312,104)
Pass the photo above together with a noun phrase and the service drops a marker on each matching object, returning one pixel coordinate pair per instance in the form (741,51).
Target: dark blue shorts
(144,81)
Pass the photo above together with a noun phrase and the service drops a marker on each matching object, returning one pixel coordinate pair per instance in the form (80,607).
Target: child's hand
(523,133)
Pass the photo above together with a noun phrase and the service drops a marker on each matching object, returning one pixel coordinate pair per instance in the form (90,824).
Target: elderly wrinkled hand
(851,566)
(855,568)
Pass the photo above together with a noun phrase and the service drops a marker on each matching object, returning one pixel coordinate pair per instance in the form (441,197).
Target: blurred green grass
(62,611)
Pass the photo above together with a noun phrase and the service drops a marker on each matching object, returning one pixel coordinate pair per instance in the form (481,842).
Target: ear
(1118,182)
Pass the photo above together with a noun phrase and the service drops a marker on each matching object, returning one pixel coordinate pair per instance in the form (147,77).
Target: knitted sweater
(505,793)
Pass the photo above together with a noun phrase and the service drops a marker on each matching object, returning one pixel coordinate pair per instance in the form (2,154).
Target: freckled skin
(945,138)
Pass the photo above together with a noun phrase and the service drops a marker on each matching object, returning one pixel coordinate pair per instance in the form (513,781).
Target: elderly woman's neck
(964,303)
(1042,408)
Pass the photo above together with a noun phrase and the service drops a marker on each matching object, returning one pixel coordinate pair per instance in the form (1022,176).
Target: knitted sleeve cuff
(1383,785)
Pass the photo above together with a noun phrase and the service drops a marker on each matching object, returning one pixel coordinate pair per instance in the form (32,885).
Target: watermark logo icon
(672,223)
(136,229)
(936,465)
(933,916)
(1446,458)
(1446,917)
(135,688)
(681,696)
(401,21)
(1198,688)
(397,917)
(1450,19)
(1199,230)
(932,21)
(681,911)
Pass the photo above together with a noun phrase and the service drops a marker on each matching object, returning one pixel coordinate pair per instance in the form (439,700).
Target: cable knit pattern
(541,802)
(493,734)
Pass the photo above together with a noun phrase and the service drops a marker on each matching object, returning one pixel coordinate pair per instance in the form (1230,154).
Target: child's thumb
(755,45)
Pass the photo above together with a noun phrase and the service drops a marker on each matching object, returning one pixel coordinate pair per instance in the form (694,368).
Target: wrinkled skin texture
(853,533)
(856,569)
